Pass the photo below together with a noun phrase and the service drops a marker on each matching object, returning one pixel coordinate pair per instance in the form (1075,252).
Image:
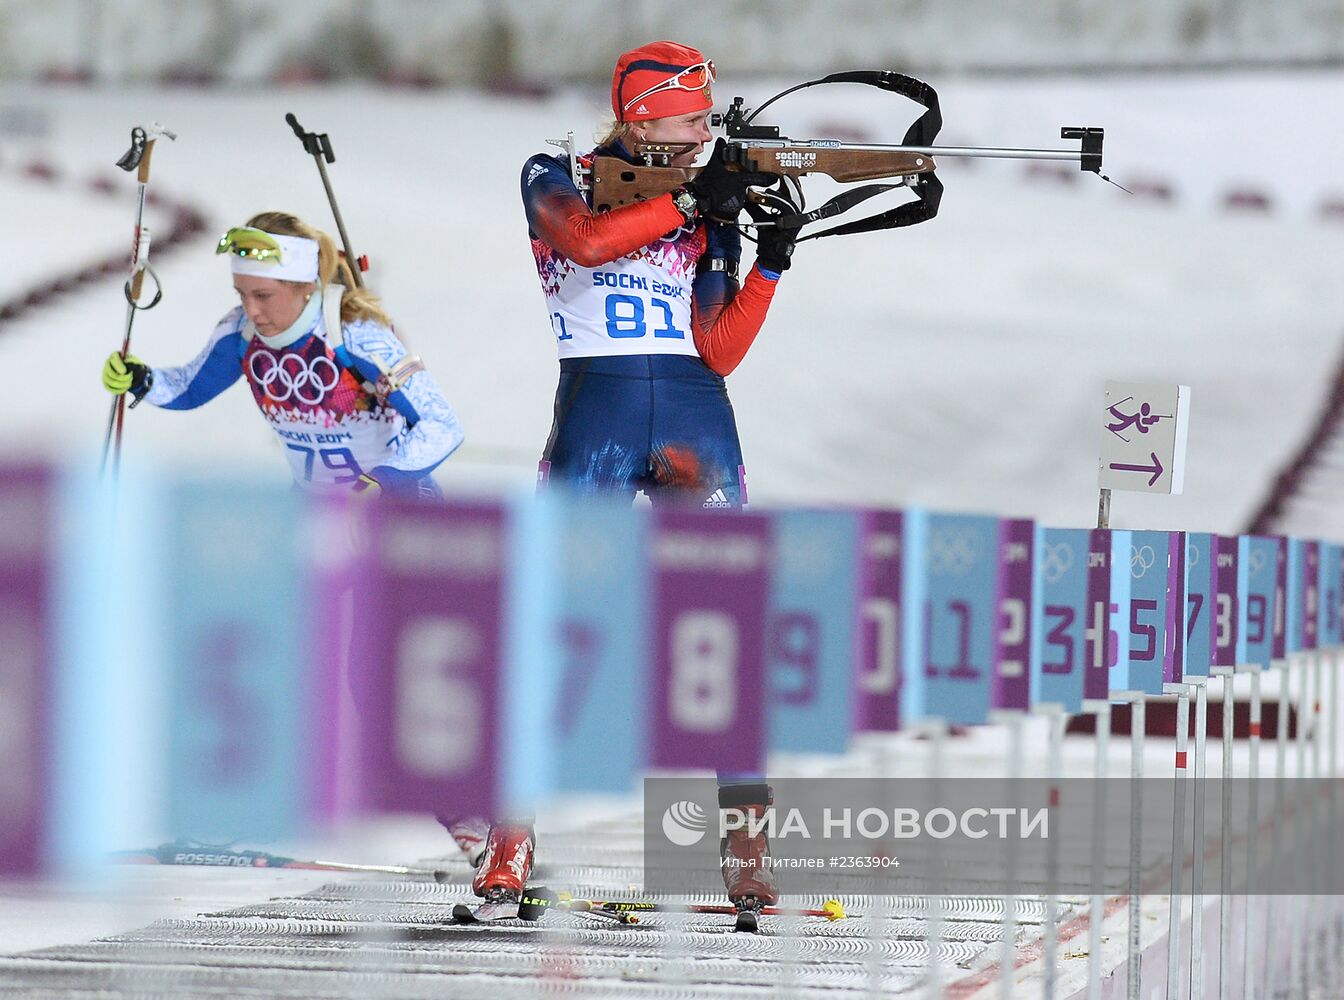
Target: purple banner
(1279,640)
(1225,620)
(426,660)
(1173,655)
(341,535)
(878,705)
(1097,634)
(25,661)
(1017,560)
(711,576)
(1311,596)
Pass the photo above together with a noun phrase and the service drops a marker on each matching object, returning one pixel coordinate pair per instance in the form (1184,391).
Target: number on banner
(240,717)
(1137,628)
(1197,604)
(704,671)
(17,677)
(795,639)
(438,712)
(1224,621)
(581,646)
(1059,636)
(962,668)
(1107,653)
(885,616)
(1256,606)
(1014,633)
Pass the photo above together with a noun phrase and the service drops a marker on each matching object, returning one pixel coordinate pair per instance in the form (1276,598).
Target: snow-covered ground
(957,364)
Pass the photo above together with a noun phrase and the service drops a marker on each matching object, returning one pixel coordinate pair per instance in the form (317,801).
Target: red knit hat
(653,81)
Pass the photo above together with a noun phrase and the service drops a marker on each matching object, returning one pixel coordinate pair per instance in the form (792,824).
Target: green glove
(128,374)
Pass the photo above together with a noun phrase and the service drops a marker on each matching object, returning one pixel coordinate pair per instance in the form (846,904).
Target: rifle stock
(616,182)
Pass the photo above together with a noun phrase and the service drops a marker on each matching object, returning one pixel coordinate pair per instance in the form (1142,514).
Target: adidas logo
(716,501)
(536,171)
(641,110)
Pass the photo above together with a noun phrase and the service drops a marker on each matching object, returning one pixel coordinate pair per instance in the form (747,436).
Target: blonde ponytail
(356,303)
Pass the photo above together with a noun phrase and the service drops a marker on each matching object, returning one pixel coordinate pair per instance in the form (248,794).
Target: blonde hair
(356,303)
(619,131)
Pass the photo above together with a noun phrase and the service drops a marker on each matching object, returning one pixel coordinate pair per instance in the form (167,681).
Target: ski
(831,910)
(747,921)
(213,856)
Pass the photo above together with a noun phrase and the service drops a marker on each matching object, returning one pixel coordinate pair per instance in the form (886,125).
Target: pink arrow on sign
(1155,468)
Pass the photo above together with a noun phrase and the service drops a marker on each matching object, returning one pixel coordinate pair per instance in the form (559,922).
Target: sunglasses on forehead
(251,243)
(696,77)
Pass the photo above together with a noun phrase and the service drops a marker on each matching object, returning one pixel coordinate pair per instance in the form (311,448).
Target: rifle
(760,148)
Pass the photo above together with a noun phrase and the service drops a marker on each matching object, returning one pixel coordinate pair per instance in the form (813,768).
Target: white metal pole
(1253,841)
(1095,973)
(1197,877)
(1053,769)
(1137,725)
(1008,942)
(1177,842)
(1225,837)
(1299,915)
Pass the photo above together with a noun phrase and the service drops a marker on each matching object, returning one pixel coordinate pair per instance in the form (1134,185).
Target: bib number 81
(625,318)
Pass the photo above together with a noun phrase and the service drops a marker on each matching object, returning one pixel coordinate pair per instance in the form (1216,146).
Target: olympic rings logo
(291,377)
(1057,561)
(1141,560)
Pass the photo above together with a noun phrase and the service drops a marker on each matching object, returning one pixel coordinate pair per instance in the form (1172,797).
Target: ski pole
(136,158)
(318,145)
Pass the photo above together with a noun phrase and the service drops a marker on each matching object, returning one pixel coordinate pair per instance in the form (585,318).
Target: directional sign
(1143,435)
(1108,583)
(1019,594)
(810,640)
(883,624)
(956,563)
(1200,601)
(1058,619)
(25,666)
(710,596)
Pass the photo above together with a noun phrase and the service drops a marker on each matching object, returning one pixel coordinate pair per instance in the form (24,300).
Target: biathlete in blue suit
(353,411)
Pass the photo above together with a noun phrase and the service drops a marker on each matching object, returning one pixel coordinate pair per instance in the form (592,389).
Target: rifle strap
(923,131)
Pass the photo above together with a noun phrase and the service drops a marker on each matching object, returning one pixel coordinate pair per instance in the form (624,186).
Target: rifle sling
(922,132)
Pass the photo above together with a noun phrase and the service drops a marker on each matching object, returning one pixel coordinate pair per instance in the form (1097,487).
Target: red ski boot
(745,857)
(503,871)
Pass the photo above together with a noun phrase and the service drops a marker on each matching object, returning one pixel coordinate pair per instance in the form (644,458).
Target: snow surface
(958,364)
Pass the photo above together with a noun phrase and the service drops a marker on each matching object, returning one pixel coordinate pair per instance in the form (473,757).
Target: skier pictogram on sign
(1143,437)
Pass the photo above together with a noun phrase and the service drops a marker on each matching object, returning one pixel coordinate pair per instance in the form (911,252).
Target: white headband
(298,260)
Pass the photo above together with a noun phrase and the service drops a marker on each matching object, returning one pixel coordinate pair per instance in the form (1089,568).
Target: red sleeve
(724,339)
(564,221)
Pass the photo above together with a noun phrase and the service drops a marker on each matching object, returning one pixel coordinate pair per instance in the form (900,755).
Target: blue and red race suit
(648,318)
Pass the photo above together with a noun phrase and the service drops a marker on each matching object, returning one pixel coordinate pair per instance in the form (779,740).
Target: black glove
(720,192)
(774,247)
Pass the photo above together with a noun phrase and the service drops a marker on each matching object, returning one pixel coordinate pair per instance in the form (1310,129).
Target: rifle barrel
(992,152)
